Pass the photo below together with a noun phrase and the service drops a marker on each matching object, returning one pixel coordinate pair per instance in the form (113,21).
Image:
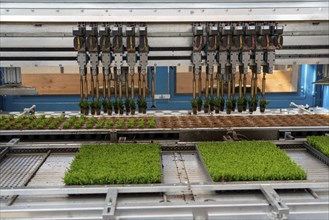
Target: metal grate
(15,169)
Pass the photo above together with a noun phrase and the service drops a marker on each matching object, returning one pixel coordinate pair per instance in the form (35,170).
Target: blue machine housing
(307,93)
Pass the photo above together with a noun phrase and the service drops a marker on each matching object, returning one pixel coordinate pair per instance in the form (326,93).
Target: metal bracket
(82,61)
(280,209)
(200,214)
(13,141)
(143,63)
(110,204)
(211,61)
(94,63)
(288,136)
(106,60)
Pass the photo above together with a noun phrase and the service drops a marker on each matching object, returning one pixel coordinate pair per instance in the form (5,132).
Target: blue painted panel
(326,97)
(161,80)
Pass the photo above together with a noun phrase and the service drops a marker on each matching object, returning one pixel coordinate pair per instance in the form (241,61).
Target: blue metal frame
(307,93)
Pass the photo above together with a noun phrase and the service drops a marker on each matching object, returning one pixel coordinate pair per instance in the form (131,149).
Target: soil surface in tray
(191,121)
(242,121)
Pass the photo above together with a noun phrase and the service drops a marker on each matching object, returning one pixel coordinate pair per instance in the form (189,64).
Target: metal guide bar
(318,154)
(280,209)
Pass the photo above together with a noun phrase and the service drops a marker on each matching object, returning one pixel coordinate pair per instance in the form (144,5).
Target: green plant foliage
(263,103)
(115,164)
(141,123)
(132,104)
(69,122)
(120,123)
(80,122)
(100,123)
(248,161)
(151,122)
(320,142)
(109,123)
(206,103)
(194,103)
(131,123)
(90,122)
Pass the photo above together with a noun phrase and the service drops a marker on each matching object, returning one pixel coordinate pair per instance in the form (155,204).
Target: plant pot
(244,107)
(206,110)
(251,109)
(216,109)
(262,109)
(86,111)
(109,111)
(240,108)
(105,110)
(121,111)
(233,108)
(92,111)
(82,111)
(228,110)
(195,111)
(221,108)
(144,110)
(199,107)
(116,110)
(98,111)
(140,110)
(133,111)
(212,108)
(255,106)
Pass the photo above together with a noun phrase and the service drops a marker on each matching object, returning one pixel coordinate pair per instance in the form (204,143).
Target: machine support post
(127,85)
(97,87)
(218,85)
(240,83)
(194,83)
(92,85)
(244,85)
(115,83)
(263,85)
(139,83)
(144,86)
(212,85)
(81,88)
(153,85)
(200,85)
(252,84)
(120,77)
(207,84)
(132,88)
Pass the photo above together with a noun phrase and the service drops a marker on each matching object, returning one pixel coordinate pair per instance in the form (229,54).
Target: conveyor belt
(181,166)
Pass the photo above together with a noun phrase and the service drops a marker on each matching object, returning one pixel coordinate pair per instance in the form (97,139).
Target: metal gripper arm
(79,43)
(197,57)
(143,56)
(131,57)
(225,60)
(212,46)
(118,58)
(105,46)
(92,47)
